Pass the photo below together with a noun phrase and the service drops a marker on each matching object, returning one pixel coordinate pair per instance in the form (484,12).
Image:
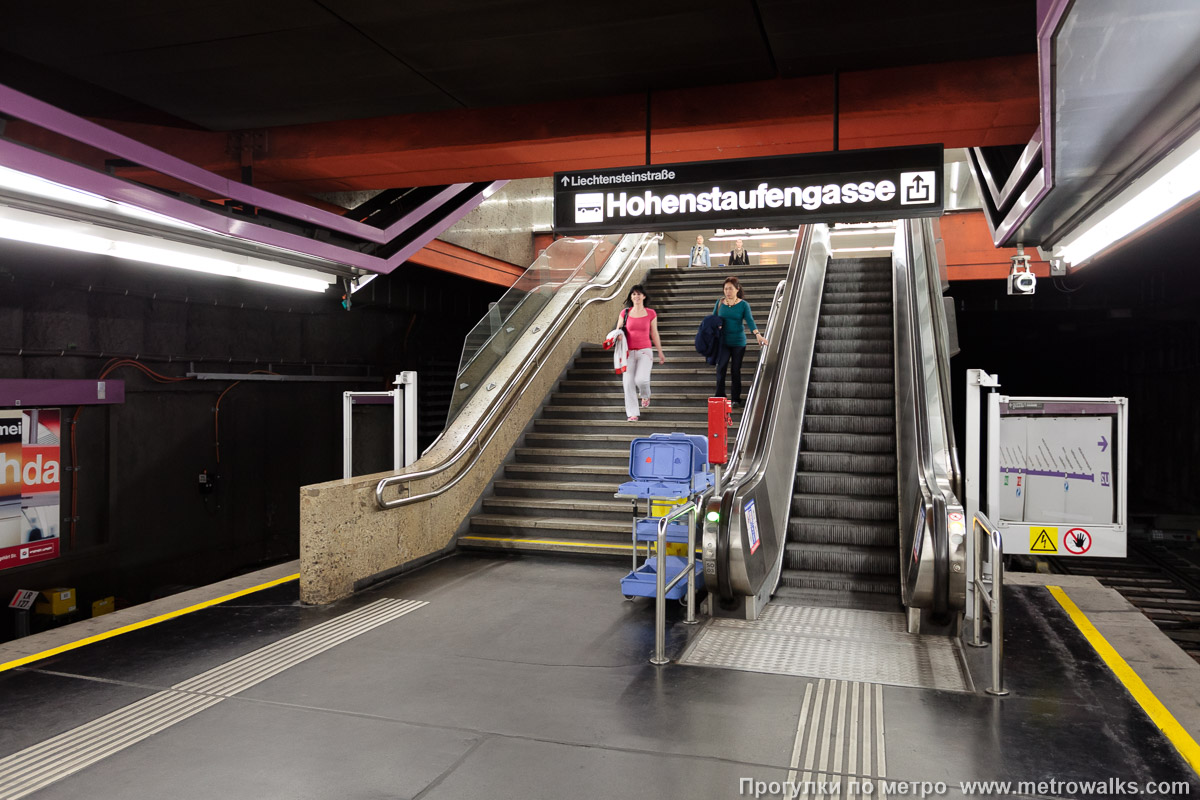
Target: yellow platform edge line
(144,623)
(1158,713)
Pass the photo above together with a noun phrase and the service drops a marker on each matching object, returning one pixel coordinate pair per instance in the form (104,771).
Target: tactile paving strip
(840,644)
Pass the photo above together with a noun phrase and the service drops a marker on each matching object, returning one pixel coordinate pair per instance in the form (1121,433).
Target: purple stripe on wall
(1079,476)
(29,393)
(1059,407)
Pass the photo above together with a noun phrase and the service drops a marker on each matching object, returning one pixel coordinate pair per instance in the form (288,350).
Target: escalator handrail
(933,496)
(941,337)
(474,443)
(750,429)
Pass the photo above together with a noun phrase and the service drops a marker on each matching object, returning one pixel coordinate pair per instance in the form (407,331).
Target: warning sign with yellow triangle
(1043,540)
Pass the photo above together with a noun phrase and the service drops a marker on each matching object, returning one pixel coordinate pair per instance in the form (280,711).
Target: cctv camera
(1022,283)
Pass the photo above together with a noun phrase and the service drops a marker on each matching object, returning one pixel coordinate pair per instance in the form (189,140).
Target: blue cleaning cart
(663,466)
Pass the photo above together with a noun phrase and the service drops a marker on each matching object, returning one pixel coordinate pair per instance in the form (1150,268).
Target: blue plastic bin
(669,465)
(643,581)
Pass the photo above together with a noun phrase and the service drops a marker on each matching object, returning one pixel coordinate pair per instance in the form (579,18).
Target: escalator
(842,534)
(843,484)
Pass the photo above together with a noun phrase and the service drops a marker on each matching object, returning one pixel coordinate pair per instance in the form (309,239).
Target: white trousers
(636,379)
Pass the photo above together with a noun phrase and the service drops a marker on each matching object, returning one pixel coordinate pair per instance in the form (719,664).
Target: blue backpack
(709,337)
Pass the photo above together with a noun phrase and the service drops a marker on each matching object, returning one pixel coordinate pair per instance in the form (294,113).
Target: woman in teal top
(735,313)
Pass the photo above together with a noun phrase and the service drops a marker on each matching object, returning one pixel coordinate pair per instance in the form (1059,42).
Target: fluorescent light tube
(85,237)
(1171,182)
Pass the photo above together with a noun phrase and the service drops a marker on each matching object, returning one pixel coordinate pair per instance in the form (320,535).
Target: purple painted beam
(31,393)
(60,171)
(66,173)
(373,400)
(62,122)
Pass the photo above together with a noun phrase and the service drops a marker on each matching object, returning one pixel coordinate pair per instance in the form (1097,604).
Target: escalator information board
(1060,483)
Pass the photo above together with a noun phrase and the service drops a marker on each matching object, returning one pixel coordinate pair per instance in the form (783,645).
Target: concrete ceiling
(229,64)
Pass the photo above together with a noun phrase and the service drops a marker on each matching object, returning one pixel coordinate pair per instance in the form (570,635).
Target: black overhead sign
(844,186)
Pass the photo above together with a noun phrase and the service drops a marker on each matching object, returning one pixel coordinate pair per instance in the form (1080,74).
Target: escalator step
(845,483)
(826,598)
(848,443)
(850,405)
(849,345)
(844,389)
(853,359)
(882,463)
(849,295)
(844,532)
(856,320)
(849,423)
(839,581)
(815,506)
(856,308)
(855,559)
(854,375)
(874,332)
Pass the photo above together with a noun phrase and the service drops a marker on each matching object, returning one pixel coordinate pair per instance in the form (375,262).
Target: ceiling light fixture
(86,237)
(1172,182)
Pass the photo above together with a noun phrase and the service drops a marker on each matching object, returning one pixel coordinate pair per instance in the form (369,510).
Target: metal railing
(565,265)
(994,601)
(475,442)
(661,587)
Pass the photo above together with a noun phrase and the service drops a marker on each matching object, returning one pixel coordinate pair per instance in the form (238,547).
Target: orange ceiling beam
(467,263)
(959,104)
(971,255)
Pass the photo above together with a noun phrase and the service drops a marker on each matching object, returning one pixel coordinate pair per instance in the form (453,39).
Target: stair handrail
(474,443)
(527,284)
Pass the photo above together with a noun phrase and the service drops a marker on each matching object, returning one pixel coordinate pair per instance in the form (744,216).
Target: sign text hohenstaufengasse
(844,186)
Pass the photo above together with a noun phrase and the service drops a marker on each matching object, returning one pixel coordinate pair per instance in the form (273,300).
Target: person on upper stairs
(735,313)
(738,257)
(699,256)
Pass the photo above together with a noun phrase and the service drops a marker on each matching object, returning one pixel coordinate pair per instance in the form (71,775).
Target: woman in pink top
(641,332)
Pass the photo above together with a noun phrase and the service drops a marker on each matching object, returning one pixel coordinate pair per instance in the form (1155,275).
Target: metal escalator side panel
(932,564)
(765,461)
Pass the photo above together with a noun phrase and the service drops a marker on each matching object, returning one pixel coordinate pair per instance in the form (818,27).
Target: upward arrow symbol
(565,180)
(918,183)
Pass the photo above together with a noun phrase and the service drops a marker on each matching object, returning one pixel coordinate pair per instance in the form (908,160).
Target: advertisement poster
(29,486)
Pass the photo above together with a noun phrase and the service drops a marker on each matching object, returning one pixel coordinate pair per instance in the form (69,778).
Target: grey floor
(528,678)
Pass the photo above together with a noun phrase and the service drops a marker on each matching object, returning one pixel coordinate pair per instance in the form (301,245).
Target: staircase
(556,492)
(843,532)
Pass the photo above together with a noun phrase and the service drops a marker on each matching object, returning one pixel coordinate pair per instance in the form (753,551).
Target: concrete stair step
(610,510)
(614,410)
(617,427)
(554,486)
(578,457)
(552,526)
(612,474)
